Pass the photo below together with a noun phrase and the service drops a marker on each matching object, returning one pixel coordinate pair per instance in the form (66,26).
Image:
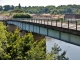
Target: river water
(72,51)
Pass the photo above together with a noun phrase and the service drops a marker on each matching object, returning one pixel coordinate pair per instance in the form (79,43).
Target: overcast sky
(39,2)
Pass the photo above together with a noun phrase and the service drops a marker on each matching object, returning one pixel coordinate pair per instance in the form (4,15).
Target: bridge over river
(65,31)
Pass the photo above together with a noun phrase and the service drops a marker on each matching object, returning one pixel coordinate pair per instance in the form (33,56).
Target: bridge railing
(58,23)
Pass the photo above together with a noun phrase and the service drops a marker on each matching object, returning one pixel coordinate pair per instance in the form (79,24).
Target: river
(72,51)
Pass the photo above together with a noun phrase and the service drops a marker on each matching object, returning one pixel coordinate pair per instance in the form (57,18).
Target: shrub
(21,15)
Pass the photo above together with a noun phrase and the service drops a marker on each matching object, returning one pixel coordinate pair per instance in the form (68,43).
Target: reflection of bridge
(63,31)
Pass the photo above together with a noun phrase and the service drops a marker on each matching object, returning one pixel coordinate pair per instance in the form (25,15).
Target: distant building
(72,17)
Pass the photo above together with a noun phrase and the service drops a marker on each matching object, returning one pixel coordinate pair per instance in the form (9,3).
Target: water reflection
(73,51)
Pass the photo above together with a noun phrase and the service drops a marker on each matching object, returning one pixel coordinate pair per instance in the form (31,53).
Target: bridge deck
(64,31)
(51,22)
(57,23)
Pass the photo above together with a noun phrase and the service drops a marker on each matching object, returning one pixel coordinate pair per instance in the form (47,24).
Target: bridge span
(67,32)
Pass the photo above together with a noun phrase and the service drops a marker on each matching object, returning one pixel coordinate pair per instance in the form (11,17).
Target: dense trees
(20,15)
(1,8)
(19,6)
(62,9)
(6,7)
(16,47)
(3,40)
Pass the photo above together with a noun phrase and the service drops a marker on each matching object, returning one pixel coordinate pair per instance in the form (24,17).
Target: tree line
(62,9)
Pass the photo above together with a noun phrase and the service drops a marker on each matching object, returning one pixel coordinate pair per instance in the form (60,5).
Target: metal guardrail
(31,19)
(58,23)
(48,22)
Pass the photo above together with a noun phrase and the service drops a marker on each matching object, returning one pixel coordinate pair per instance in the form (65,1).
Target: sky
(39,2)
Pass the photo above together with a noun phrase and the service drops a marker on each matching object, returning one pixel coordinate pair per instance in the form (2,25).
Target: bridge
(64,31)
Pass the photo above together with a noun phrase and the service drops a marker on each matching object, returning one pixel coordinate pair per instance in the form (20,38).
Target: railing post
(47,22)
(41,21)
(31,20)
(61,23)
(47,31)
(51,22)
(56,22)
(44,21)
(36,20)
(76,25)
(68,24)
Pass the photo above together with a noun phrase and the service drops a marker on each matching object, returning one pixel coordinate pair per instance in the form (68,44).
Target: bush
(21,15)
(16,47)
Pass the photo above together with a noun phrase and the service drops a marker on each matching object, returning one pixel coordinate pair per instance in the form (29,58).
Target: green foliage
(16,47)
(6,7)
(21,47)
(78,12)
(1,8)
(54,54)
(36,52)
(21,15)
(2,31)
(17,10)
(3,39)
(62,9)
(19,6)
(4,13)
(1,12)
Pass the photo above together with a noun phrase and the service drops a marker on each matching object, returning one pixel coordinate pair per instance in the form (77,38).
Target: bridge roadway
(56,23)
(51,22)
(64,31)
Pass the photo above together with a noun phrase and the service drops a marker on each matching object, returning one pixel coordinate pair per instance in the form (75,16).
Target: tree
(23,47)
(78,12)
(19,6)
(1,8)
(21,15)
(12,7)
(3,40)
(6,7)
(69,10)
(54,54)
(37,51)
(16,47)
